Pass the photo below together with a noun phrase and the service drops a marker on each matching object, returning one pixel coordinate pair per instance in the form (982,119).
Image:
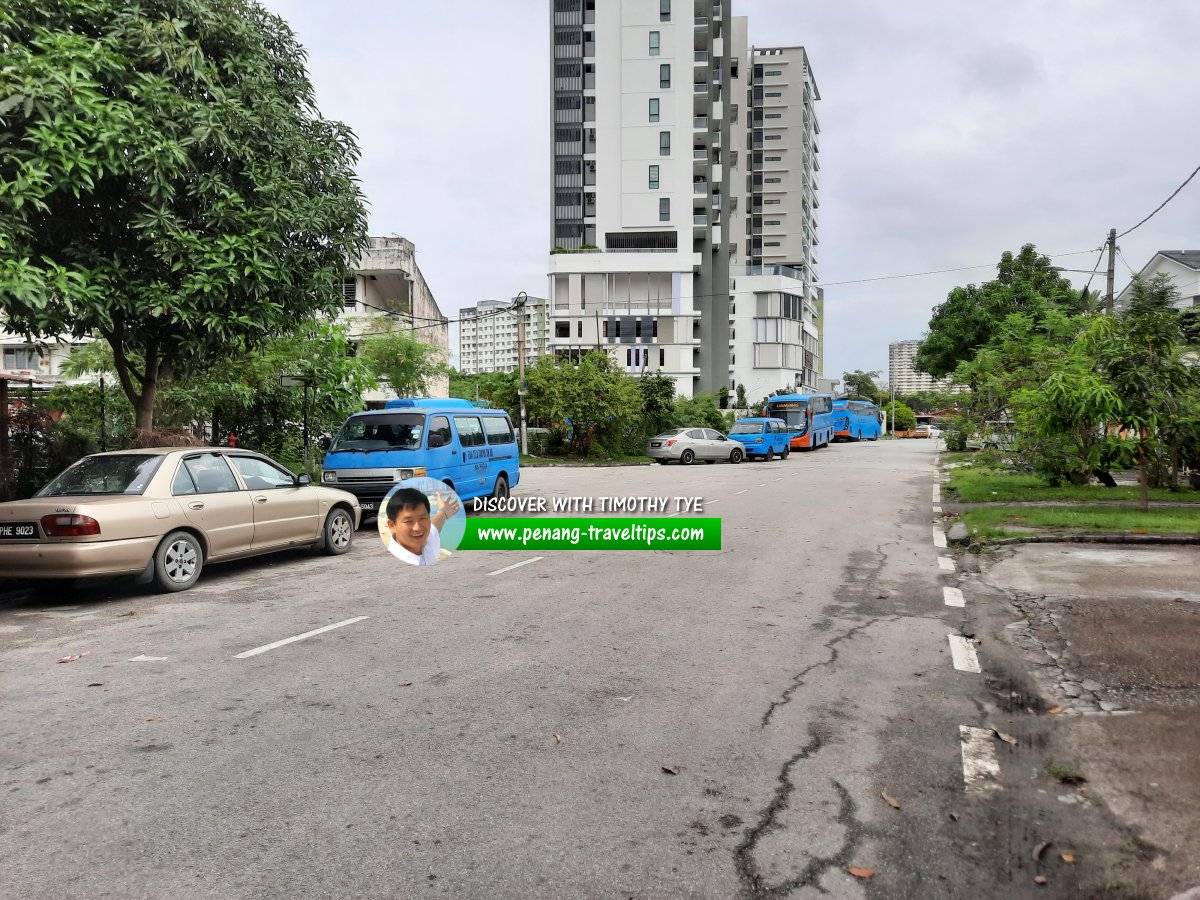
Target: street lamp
(518,307)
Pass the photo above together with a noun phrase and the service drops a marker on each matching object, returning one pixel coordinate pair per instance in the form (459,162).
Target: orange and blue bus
(809,418)
(856,420)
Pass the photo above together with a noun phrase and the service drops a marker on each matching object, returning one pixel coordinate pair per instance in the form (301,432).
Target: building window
(774,93)
(653,109)
(773,72)
(617,329)
(654,178)
(604,330)
(664,10)
(637,328)
(579,328)
(772,180)
(771,244)
(562,329)
(774,159)
(664,209)
(662,357)
(774,115)
(773,222)
(664,143)
(20,358)
(664,75)
(349,293)
(654,328)
(654,43)
(774,137)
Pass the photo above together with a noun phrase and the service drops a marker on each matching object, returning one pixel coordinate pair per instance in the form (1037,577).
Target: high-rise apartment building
(488,332)
(904,379)
(661,254)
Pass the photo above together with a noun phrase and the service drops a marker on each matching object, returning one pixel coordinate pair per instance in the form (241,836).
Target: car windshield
(392,431)
(747,428)
(128,473)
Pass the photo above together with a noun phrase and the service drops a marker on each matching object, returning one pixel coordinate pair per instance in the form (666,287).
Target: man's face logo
(410,528)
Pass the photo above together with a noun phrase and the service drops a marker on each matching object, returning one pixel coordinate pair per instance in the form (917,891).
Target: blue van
(472,449)
(763,437)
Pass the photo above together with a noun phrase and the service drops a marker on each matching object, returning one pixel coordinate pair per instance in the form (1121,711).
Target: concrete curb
(1185,539)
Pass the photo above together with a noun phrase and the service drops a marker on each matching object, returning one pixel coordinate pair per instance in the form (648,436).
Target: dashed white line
(953,596)
(937,509)
(937,493)
(945,563)
(962,651)
(745,491)
(513,566)
(265,647)
(718,500)
(981,771)
(764,484)
(939,537)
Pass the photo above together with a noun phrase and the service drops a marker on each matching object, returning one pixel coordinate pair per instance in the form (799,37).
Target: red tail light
(59,525)
(672,441)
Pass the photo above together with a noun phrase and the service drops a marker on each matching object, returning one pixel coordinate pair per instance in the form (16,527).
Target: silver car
(690,444)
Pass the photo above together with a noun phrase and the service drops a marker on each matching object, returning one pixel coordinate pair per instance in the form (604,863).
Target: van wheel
(500,491)
(735,456)
(686,457)
(770,454)
(783,454)
(178,561)
(339,532)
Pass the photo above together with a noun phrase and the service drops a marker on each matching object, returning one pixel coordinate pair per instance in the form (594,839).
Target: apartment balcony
(700,59)
(699,221)
(700,22)
(700,123)
(699,187)
(700,88)
(700,154)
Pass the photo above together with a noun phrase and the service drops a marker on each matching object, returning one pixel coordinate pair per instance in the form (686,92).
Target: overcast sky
(950,132)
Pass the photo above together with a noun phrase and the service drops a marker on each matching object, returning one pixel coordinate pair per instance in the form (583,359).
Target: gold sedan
(162,514)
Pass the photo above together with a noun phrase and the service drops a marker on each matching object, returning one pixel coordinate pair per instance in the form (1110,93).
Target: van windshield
(389,431)
(747,428)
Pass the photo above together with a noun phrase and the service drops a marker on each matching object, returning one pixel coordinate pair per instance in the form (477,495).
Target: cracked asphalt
(588,725)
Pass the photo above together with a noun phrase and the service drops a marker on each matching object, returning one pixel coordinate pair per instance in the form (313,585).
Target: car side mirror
(303,480)
(324,443)
(435,441)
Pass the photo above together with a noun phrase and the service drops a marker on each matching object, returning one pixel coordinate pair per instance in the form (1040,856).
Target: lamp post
(892,429)
(518,306)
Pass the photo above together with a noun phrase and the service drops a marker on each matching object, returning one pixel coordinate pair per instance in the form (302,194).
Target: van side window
(470,432)
(440,425)
(498,429)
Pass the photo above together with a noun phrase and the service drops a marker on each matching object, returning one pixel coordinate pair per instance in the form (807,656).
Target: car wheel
(770,454)
(178,561)
(735,456)
(339,532)
(686,457)
(500,491)
(783,454)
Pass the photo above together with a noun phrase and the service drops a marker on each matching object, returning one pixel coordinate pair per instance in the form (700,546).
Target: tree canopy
(861,385)
(167,182)
(1025,283)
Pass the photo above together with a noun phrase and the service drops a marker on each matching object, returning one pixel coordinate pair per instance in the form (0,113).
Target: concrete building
(487,335)
(904,379)
(1183,267)
(389,292)
(652,194)
(40,361)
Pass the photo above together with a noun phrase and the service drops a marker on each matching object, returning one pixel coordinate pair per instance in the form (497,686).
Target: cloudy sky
(950,132)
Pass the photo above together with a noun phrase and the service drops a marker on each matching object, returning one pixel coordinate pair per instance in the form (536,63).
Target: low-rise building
(1183,268)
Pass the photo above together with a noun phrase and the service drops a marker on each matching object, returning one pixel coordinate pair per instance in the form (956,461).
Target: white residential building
(1183,267)
(488,331)
(652,193)
(904,379)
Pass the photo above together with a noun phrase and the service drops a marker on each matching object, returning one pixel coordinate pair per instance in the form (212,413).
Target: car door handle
(196,504)
(455,452)
(260,499)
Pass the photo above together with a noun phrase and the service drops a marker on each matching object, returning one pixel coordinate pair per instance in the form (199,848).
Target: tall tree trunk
(1143,485)
(144,408)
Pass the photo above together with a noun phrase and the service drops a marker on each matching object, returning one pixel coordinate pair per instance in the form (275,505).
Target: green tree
(860,385)
(699,410)
(593,399)
(741,396)
(396,355)
(497,389)
(1025,283)
(169,184)
(658,402)
(904,419)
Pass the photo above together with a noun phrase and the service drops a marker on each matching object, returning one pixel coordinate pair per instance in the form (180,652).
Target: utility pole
(1112,267)
(519,306)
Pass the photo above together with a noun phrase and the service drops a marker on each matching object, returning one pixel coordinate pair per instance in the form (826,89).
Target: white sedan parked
(690,444)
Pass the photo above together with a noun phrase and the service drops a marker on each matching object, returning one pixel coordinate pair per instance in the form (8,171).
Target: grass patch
(1064,772)
(1006,521)
(531,460)
(984,486)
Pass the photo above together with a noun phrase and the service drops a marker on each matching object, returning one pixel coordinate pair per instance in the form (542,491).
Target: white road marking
(764,484)
(780,478)
(962,651)
(794,474)
(980,768)
(514,566)
(672,515)
(265,647)
(937,493)
(937,509)
(144,658)
(953,596)
(718,500)
(939,537)
(745,491)
(945,563)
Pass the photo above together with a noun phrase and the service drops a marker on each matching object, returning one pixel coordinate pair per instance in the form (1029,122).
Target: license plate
(18,530)
(368,506)
(655,443)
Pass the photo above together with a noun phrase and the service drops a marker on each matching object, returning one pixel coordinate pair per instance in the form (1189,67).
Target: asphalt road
(508,735)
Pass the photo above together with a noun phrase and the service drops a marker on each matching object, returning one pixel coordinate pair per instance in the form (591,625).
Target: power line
(1164,203)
